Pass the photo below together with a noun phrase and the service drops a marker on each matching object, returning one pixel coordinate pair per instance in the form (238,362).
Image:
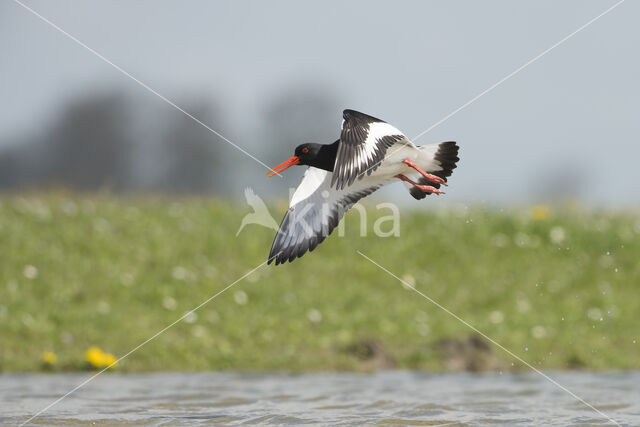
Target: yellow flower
(99,359)
(94,356)
(49,357)
(540,213)
(109,359)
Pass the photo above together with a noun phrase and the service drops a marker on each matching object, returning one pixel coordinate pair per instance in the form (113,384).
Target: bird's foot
(429,189)
(433,178)
(425,188)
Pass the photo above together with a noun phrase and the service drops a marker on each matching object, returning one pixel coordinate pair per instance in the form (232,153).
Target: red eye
(305,150)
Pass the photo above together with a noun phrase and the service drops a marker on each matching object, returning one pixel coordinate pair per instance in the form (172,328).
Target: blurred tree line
(108,141)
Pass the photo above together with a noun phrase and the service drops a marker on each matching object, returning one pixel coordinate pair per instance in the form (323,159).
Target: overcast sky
(567,123)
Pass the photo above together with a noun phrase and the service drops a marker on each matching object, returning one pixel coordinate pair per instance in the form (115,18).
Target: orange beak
(282,166)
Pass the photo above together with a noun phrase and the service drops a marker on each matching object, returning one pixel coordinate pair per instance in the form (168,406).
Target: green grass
(113,272)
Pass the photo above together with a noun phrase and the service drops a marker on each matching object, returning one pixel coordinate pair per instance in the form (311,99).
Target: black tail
(446,156)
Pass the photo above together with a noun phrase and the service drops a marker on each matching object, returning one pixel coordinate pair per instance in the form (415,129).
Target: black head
(307,153)
(317,155)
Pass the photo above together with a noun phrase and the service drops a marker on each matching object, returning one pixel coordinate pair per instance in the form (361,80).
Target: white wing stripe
(315,210)
(364,141)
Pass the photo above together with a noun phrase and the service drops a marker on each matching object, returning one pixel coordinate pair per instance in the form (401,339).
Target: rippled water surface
(394,397)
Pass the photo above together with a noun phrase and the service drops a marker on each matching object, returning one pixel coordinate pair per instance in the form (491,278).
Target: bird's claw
(436,179)
(430,177)
(429,189)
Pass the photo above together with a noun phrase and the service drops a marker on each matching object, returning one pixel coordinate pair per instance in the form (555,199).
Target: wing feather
(316,209)
(364,141)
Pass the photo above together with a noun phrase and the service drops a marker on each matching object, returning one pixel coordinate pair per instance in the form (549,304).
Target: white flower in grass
(522,303)
(180,273)
(496,317)
(27,319)
(408,281)
(538,332)
(169,303)
(199,331)
(423,329)
(557,235)
(253,277)
(66,337)
(191,317)
(103,307)
(290,298)
(30,272)
(314,316)
(127,279)
(69,207)
(240,297)
(521,239)
(421,317)
(594,313)
(101,225)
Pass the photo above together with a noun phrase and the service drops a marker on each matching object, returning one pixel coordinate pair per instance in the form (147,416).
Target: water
(393,397)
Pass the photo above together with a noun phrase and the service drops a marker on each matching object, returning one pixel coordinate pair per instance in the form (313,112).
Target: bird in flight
(369,154)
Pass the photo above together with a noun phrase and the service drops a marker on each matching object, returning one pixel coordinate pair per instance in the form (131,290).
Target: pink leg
(425,188)
(430,177)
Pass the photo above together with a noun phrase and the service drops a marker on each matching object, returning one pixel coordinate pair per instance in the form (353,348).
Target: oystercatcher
(369,154)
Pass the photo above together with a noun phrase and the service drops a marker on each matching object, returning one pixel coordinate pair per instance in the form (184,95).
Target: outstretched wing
(315,210)
(364,141)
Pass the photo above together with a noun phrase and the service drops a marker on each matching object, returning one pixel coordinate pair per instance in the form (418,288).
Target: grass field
(560,288)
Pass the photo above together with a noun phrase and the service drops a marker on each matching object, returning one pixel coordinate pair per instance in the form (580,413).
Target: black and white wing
(315,210)
(364,141)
